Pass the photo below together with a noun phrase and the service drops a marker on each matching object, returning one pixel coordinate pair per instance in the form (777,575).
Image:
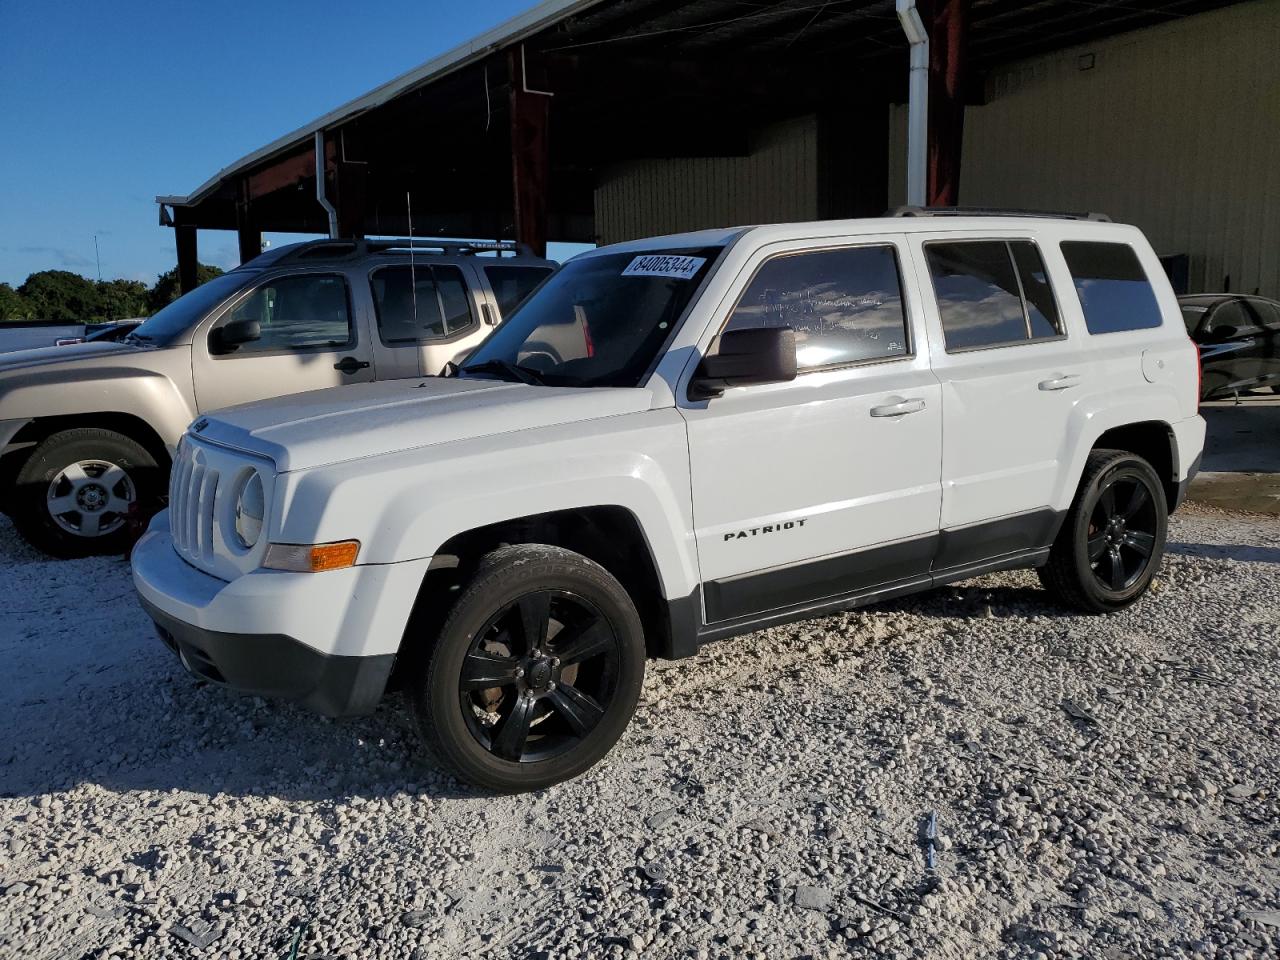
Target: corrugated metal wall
(776,183)
(1175,128)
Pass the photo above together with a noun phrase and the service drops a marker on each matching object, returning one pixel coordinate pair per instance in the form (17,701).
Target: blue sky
(106,105)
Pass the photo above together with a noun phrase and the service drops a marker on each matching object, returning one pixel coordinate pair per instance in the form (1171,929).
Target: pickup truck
(88,431)
(677,440)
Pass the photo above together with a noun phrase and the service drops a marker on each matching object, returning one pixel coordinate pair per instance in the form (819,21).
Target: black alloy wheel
(539,676)
(1122,530)
(535,673)
(1112,539)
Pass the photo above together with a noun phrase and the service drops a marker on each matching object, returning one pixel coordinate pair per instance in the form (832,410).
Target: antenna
(413,273)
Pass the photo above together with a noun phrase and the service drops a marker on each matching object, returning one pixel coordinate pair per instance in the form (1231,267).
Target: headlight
(251,506)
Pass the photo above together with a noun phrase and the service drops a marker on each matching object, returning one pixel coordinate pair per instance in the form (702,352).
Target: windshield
(599,322)
(165,326)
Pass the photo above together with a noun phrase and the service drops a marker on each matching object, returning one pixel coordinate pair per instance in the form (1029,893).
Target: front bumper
(328,639)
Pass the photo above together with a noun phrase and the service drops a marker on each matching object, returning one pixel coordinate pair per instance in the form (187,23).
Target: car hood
(321,427)
(73,353)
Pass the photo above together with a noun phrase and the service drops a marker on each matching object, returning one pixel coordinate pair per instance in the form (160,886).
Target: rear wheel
(1113,538)
(74,494)
(535,673)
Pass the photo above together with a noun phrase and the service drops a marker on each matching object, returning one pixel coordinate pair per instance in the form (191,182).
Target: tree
(60,295)
(118,299)
(166,289)
(13,305)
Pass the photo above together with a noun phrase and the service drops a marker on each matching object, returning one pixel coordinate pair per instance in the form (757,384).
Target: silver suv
(88,432)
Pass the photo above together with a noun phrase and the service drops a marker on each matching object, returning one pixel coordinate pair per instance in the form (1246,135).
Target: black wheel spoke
(1107,501)
(582,641)
(579,710)
(482,670)
(1144,543)
(511,734)
(1137,500)
(1097,546)
(1117,569)
(535,614)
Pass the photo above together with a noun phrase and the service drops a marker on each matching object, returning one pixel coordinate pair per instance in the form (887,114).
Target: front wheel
(74,494)
(1113,537)
(535,673)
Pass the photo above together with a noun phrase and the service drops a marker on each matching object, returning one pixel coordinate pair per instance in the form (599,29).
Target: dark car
(1239,341)
(111,332)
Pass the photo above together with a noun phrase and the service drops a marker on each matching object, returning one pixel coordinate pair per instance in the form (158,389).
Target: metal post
(184,235)
(320,194)
(918,109)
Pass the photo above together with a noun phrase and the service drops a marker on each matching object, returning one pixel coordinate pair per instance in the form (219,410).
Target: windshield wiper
(137,338)
(507,371)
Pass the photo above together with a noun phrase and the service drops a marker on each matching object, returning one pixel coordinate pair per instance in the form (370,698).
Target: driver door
(309,341)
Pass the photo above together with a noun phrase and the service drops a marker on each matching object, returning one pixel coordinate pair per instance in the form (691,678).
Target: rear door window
(1114,291)
(844,305)
(416,304)
(992,293)
(511,284)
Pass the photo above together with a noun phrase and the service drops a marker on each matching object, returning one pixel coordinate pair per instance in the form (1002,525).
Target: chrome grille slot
(191,512)
(208,498)
(178,501)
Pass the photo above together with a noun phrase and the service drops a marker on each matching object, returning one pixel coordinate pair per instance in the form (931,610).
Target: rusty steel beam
(530,157)
(948,69)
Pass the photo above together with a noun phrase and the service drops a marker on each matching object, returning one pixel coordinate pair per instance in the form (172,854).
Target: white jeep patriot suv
(677,440)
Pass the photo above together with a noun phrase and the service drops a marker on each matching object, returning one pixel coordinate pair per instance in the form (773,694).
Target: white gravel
(769,799)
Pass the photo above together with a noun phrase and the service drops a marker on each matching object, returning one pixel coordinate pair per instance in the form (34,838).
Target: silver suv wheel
(91,498)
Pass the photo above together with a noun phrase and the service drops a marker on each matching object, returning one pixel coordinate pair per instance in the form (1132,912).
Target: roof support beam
(184,235)
(530,157)
(948,79)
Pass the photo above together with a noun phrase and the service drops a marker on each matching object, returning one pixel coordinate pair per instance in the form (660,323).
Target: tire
(1082,570)
(97,475)
(499,716)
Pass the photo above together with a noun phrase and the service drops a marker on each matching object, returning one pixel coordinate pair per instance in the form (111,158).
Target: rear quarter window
(1114,291)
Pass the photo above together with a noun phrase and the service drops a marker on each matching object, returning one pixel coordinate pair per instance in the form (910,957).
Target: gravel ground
(1103,788)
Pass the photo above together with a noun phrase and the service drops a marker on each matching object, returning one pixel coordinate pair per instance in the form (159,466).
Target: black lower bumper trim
(275,665)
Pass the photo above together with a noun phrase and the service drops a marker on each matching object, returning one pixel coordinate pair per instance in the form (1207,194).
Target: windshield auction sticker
(663,265)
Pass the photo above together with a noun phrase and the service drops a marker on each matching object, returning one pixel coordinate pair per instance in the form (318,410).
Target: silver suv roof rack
(339,249)
(909,211)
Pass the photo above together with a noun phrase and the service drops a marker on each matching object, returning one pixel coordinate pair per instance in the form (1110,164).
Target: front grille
(193,491)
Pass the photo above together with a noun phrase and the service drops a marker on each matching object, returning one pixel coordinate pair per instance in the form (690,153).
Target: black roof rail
(451,248)
(909,211)
(337,248)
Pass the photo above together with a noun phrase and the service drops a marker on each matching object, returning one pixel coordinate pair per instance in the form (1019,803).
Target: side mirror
(744,357)
(1223,331)
(231,335)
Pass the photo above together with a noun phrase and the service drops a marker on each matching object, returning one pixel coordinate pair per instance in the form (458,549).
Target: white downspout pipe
(324,201)
(918,110)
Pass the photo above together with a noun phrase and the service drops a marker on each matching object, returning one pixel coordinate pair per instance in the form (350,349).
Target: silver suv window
(299,312)
(420,303)
(512,284)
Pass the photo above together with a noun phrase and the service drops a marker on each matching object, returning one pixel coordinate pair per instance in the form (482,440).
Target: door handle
(1061,382)
(898,408)
(350,365)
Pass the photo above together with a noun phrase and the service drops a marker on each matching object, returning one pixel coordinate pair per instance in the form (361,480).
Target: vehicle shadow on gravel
(151,727)
(1245,553)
